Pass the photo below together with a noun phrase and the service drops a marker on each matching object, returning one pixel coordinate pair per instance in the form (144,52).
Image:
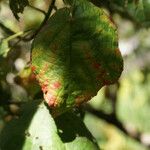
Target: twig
(6,29)
(51,6)
(55,8)
(37,9)
(11,32)
(14,36)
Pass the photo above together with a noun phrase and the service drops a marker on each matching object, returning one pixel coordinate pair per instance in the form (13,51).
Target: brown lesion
(117,52)
(96,65)
(50,92)
(103,77)
(44,87)
(83,98)
(33,68)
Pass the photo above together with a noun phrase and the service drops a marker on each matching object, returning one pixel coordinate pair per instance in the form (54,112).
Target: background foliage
(118,117)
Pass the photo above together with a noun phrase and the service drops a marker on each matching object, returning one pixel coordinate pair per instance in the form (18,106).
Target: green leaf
(138,10)
(75,54)
(17,6)
(4,47)
(35,129)
(134,109)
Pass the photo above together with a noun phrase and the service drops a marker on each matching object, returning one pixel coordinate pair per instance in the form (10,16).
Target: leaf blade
(80,54)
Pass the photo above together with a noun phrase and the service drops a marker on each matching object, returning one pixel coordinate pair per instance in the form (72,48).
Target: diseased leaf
(17,6)
(76,54)
(35,129)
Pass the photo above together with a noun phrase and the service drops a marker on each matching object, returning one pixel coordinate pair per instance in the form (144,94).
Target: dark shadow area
(71,126)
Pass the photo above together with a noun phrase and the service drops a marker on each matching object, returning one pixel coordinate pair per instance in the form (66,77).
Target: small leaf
(4,48)
(17,6)
(76,54)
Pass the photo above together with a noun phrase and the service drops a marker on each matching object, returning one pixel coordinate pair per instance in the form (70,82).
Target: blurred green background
(119,116)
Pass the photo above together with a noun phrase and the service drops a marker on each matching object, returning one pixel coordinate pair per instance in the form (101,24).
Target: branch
(11,32)
(6,29)
(37,9)
(51,6)
(25,38)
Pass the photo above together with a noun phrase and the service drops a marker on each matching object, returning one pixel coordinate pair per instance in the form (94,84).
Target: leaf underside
(75,54)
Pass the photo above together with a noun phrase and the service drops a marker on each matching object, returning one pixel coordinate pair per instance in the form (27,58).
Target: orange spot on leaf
(56,85)
(50,99)
(44,86)
(33,68)
(83,98)
(33,77)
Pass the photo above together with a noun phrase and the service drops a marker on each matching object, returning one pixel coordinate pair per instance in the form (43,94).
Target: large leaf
(36,129)
(76,54)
